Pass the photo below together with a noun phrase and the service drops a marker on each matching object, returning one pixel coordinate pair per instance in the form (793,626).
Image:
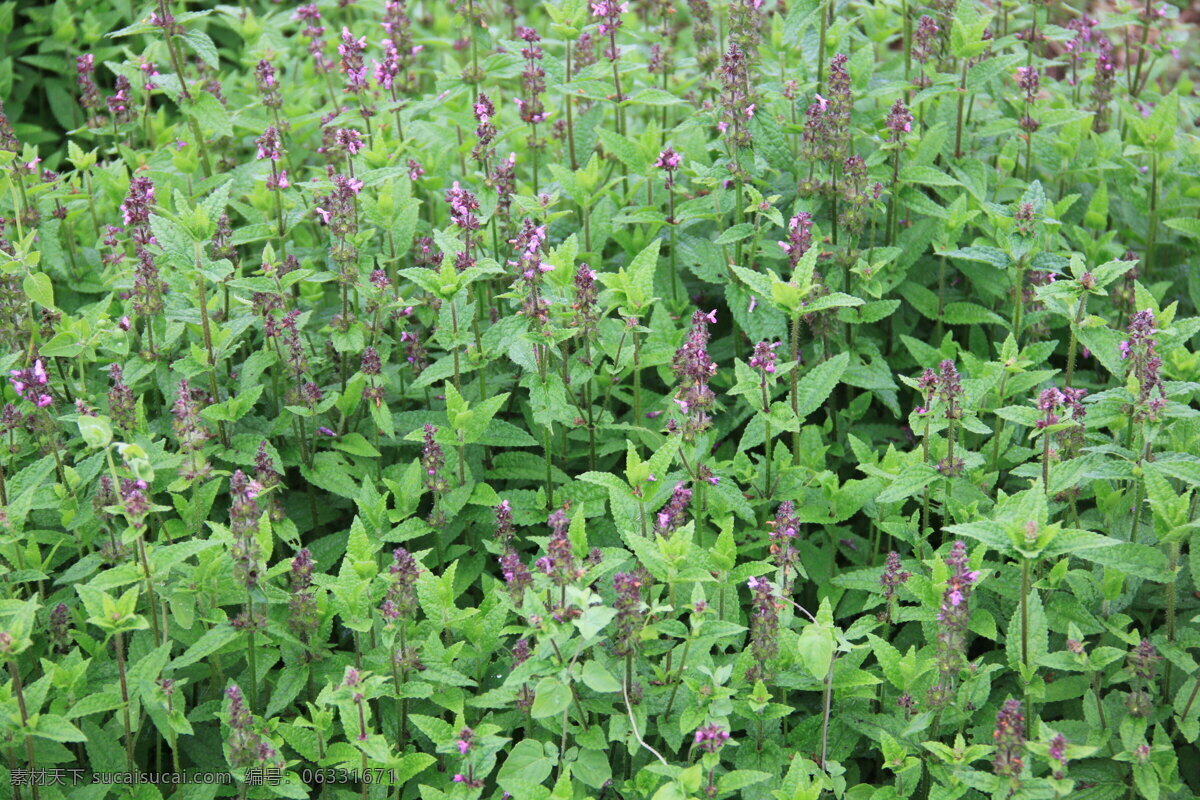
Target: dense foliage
(623,400)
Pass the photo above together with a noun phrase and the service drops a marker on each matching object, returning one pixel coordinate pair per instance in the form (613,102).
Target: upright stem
(637,380)
(827,706)
(549,466)
(962,99)
(208,343)
(119,644)
(821,48)
(795,386)
(1074,342)
(19,691)
(251,658)
(570,118)
(1025,613)
(766,436)
(1152,233)
(1173,555)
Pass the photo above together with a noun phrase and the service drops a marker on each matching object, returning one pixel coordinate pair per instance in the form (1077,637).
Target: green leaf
(96,431)
(599,679)
(735,233)
(57,729)
(526,763)
(204,47)
(815,648)
(926,176)
(38,288)
(551,698)
(211,115)
(641,274)
(1189,226)
(815,387)
(212,641)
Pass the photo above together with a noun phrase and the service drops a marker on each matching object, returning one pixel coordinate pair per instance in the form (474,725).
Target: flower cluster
(952,618)
(826,134)
(799,238)
(432,461)
(736,100)
(894,576)
(710,738)
(136,210)
(669,161)
(243,526)
(559,562)
(400,600)
(530,267)
(268,84)
(517,576)
(302,602)
(1009,739)
(533,83)
(631,612)
(763,357)
(1029,82)
(1140,350)
(693,369)
(189,433)
(247,747)
(764,627)
(337,211)
(31,383)
(783,534)
(586,294)
(674,513)
(351,50)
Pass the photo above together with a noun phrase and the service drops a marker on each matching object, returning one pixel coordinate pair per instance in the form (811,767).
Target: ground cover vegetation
(600,400)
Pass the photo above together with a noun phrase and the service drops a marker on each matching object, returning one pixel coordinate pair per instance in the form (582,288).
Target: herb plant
(629,400)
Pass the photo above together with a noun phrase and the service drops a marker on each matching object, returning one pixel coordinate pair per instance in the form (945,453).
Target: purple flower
(892,578)
(516,575)
(247,748)
(1141,350)
(674,513)
(136,209)
(952,628)
(351,141)
(269,145)
(631,611)
(764,357)
(432,461)
(668,159)
(711,738)
(799,238)
(784,530)
(400,600)
(29,383)
(1009,739)
(694,368)
(764,627)
(899,120)
(351,51)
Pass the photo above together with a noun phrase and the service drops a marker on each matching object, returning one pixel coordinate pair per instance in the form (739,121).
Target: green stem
(962,99)
(119,644)
(19,691)
(1074,342)
(795,386)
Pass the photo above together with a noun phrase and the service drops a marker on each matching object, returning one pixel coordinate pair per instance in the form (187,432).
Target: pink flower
(325,215)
